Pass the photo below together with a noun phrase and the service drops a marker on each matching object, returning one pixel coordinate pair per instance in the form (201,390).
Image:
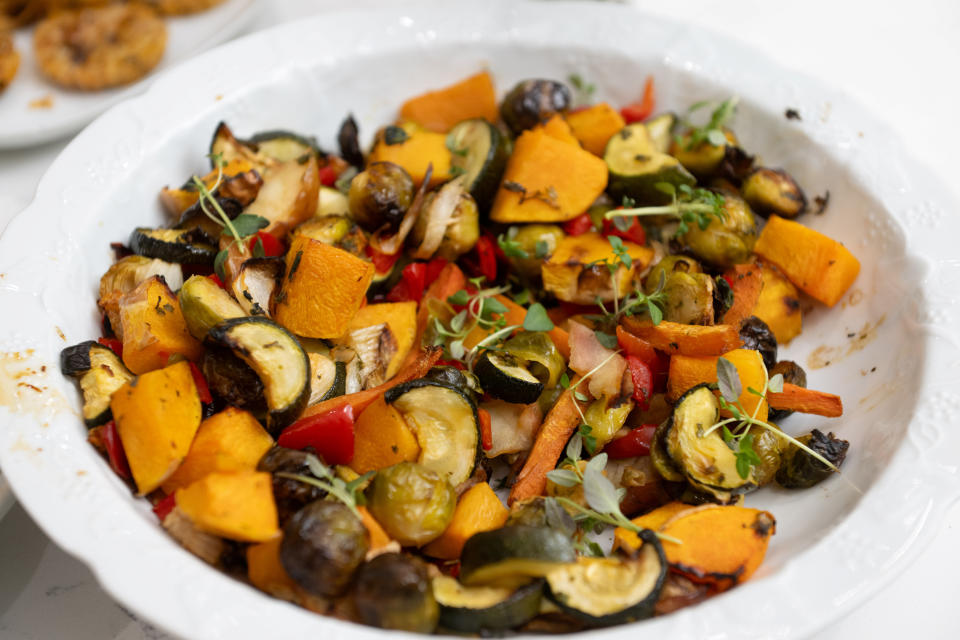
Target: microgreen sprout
(206,197)
(688,205)
(711,132)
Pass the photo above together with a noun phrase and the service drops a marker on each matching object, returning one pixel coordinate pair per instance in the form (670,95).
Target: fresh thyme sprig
(583,90)
(711,132)
(349,493)
(206,197)
(689,205)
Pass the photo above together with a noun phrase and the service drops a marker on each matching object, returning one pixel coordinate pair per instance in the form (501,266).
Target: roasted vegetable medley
(408,386)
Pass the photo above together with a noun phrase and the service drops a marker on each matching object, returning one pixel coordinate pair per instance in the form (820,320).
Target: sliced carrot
(746,281)
(557,428)
(439,110)
(820,266)
(685,339)
(795,398)
(450,280)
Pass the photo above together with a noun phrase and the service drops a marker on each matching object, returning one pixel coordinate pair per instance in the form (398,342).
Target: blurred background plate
(24,123)
(6,497)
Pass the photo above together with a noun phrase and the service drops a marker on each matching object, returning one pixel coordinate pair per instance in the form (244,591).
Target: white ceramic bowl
(834,545)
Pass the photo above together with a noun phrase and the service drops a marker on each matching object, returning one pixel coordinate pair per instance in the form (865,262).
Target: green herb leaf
(258,250)
(729,380)
(558,518)
(565,380)
(589,441)
(459,299)
(522,297)
(511,248)
(582,397)
(599,492)
(492,305)
(563,477)
(656,315)
(457,349)
(247,224)
(575,446)
(537,318)
(457,322)
(218,263)
(607,340)
(541,250)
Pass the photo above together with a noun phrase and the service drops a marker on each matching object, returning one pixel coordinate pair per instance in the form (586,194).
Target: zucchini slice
(204,304)
(100,372)
(328,376)
(660,129)
(278,360)
(226,146)
(484,609)
(444,419)
(479,152)
(636,167)
(255,283)
(704,459)
(186,246)
(608,591)
(540,354)
(511,556)
(283,145)
(505,376)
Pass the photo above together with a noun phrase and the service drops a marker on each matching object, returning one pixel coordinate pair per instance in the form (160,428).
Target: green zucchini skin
(393,394)
(636,167)
(339,386)
(480,151)
(499,551)
(519,608)
(644,608)
(185,246)
(497,380)
(296,375)
(100,372)
(660,129)
(283,145)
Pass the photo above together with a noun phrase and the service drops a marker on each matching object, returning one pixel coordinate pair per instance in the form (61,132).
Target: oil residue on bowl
(24,387)
(826,355)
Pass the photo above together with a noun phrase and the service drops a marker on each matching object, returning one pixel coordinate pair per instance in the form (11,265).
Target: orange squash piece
(235,504)
(573,265)
(688,371)
(401,317)
(421,149)
(153,327)
(779,305)
(556,127)
(685,339)
(820,266)
(547,180)
(382,438)
(440,110)
(377,536)
(231,440)
(653,520)
(176,201)
(556,429)
(322,290)
(594,125)
(267,573)
(795,398)
(157,416)
(516,314)
(479,509)
(745,281)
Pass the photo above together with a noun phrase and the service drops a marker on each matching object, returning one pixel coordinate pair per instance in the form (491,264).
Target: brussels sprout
(531,512)
(689,298)
(393,591)
(757,335)
(704,159)
(800,470)
(793,374)
(773,191)
(323,544)
(538,241)
(768,446)
(668,265)
(531,101)
(725,242)
(339,231)
(448,225)
(289,495)
(380,195)
(413,503)
(232,379)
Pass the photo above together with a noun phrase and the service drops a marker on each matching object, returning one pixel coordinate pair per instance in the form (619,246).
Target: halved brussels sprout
(667,266)
(689,298)
(531,101)
(336,230)
(393,591)
(413,503)
(800,470)
(725,242)
(703,159)
(538,241)
(757,335)
(773,191)
(380,195)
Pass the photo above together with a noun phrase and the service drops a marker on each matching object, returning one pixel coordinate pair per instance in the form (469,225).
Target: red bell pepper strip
(203,390)
(642,377)
(487,255)
(641,110)
(486,429)
(115,453)
(328,176)
(634,233)
(382,263)
(579,225)
(432,272)
(412,281)
(272,247)
(217,281)
(635,443)
(163,507)
(330,434)
(113,344)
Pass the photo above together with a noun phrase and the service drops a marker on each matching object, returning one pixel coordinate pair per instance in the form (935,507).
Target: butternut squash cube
(779,305)
(576,273)
(548,180)
(382,438)
(231,440)
(157,416)
(419,149)
(558,128)
(322,290)
(267,573)
(479,509)
(594,125)
(688,371)
(234,504)
(401,318)
(439,110)
(153,327)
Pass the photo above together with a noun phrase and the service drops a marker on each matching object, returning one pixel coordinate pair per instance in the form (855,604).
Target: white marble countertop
(899,59)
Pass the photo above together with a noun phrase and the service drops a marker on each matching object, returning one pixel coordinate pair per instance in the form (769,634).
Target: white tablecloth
(899,59)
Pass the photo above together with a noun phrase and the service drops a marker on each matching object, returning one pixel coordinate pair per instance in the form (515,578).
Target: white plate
(834,546)
(6,497)
(22,125)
